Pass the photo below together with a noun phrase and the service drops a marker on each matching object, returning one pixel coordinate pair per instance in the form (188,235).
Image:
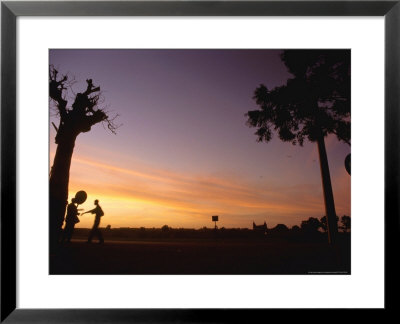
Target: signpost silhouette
(215,219)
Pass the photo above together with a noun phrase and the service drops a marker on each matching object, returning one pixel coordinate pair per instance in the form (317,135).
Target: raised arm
(89,211)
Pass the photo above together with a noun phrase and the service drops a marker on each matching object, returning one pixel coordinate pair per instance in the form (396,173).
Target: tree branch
(90,88)
(56,88)
(84,113)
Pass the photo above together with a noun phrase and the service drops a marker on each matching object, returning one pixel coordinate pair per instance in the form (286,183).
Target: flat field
(201,256)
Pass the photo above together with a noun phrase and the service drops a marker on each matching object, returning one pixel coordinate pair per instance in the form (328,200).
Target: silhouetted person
(70,220)
(95,229)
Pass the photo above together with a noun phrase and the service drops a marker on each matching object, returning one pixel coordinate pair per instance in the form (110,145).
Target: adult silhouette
(70,220)
(95,229)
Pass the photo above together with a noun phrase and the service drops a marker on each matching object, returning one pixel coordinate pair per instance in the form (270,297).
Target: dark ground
(201,256)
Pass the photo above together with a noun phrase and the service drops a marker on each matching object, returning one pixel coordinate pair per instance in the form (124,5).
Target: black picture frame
(10,10)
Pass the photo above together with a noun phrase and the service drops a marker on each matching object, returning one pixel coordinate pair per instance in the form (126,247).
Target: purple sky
(183,121)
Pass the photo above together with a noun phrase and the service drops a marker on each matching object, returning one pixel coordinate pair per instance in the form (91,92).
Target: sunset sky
(183,152)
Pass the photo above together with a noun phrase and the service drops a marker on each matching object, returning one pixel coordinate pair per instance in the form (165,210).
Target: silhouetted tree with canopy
(346,223)
(324,224)
(313,103)
(311,225)
(73,120)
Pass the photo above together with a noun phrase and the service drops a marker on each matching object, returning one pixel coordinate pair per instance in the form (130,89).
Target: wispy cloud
(157,194)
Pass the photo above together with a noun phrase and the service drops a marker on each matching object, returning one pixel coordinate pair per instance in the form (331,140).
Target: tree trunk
(59,179)
(331,223)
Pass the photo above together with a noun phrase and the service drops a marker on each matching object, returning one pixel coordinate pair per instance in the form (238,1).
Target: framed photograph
(195,161)
(165,209)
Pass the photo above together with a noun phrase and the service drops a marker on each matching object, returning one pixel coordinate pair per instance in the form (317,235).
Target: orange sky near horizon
(142,196)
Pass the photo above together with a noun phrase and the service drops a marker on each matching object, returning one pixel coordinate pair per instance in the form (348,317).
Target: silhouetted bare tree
(73,120)
(312,104)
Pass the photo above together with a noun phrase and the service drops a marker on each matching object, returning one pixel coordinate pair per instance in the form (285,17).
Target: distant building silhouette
(262,229)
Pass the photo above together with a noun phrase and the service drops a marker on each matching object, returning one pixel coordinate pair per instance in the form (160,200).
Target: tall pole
(328,193)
